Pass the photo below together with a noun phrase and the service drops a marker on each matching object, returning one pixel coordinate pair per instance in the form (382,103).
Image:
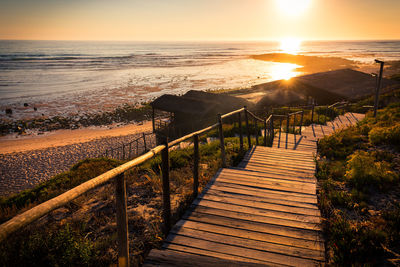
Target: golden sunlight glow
(283,71)
(293,7)
(290,45)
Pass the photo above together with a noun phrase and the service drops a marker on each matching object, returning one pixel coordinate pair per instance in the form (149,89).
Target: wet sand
(14,143)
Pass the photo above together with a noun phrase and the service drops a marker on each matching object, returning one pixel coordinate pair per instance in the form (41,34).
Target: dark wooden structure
(191,111)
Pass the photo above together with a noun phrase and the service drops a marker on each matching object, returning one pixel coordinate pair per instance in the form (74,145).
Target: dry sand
(14,143)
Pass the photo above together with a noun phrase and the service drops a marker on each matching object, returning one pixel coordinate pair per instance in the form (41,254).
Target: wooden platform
(262,213)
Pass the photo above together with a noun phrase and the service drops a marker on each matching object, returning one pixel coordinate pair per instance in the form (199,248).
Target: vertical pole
(246,117)
(144,142)
(272,133)
(130,150)
(378,88)
(196,165)
(280,125)
(111,153)
(137,148)
(123,151)
(221,141)
(265,132)
(256,129)
(165,183)
(287,123)
(240,132)
(122,221)
(312,113)
(301,121)
(294,124)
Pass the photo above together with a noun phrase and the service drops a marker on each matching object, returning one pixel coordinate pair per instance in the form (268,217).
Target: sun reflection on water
(290,45)
(283,71)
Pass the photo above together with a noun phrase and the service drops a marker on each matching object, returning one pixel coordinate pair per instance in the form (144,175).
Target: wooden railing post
(165,183)
(130,150)
(287,123)
(246,117)
(196,165)
(240,132)
(123,151)
(272,132)
(301,121)
(221,141)
(294,124)
(122,221)
(256,129)
(265,132)
(312,113)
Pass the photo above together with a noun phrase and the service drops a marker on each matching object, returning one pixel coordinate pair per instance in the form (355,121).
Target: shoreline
(13,143)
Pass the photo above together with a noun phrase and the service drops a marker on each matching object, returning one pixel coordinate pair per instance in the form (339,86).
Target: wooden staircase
(263,212)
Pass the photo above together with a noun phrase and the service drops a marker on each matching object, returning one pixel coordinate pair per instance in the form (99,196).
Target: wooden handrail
(254,116)
(42,209)
(191,135)
(232,113)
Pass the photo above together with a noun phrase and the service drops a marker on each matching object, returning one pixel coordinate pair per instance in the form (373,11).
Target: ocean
(75,77)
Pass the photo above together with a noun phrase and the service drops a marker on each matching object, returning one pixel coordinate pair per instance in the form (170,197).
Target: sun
(290,45)
(293,7)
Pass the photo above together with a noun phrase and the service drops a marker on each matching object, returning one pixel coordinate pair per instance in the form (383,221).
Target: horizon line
(202,40)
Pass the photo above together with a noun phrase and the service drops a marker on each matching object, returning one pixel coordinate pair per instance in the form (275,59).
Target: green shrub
(363,171)
(385,135)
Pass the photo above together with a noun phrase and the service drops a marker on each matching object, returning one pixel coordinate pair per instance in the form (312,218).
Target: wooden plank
(256,218)
(257,207)
(308,160)
(285,174)
(258,211)
(254,235)
(283,194)
(253,254)
(261,177)
(265,192)
(246,243)
(304,189)
(277,150)
(168,257)
(267,199)
(210,253)
(277,168)
(289,165)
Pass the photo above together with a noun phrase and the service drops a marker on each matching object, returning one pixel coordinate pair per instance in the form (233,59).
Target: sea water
(74,77)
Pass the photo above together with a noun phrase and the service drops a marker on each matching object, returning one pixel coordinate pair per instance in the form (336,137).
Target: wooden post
(312,113)
(280,125)
(376,102)
(301,121)
(265,132)
(196,165)
(246,117)
(123,151)
(287,123)
(221,141)
(122,221)
(165,183)
(144,142)
(130,150)
(240,132)
(256,129)
(137,147)
(294,124)
(272,132)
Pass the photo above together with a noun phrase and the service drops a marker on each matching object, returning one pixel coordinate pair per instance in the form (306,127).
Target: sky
(199,20)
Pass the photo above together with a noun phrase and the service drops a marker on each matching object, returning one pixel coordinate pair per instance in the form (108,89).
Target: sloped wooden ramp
(262,213)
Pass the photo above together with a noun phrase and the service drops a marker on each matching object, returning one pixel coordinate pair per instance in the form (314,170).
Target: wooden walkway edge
(262,213)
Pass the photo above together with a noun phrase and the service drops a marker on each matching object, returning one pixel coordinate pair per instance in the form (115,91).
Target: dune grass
(359,173)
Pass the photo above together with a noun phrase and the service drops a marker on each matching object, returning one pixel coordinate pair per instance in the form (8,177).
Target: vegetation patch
(83,233)
(359,172)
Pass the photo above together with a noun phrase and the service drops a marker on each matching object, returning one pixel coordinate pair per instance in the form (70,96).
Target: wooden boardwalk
(263,212)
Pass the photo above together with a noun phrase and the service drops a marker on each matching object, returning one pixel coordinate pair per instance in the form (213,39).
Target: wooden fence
(117,174)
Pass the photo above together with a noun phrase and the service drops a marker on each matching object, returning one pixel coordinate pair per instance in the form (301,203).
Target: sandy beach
(29,160)
(14,143)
